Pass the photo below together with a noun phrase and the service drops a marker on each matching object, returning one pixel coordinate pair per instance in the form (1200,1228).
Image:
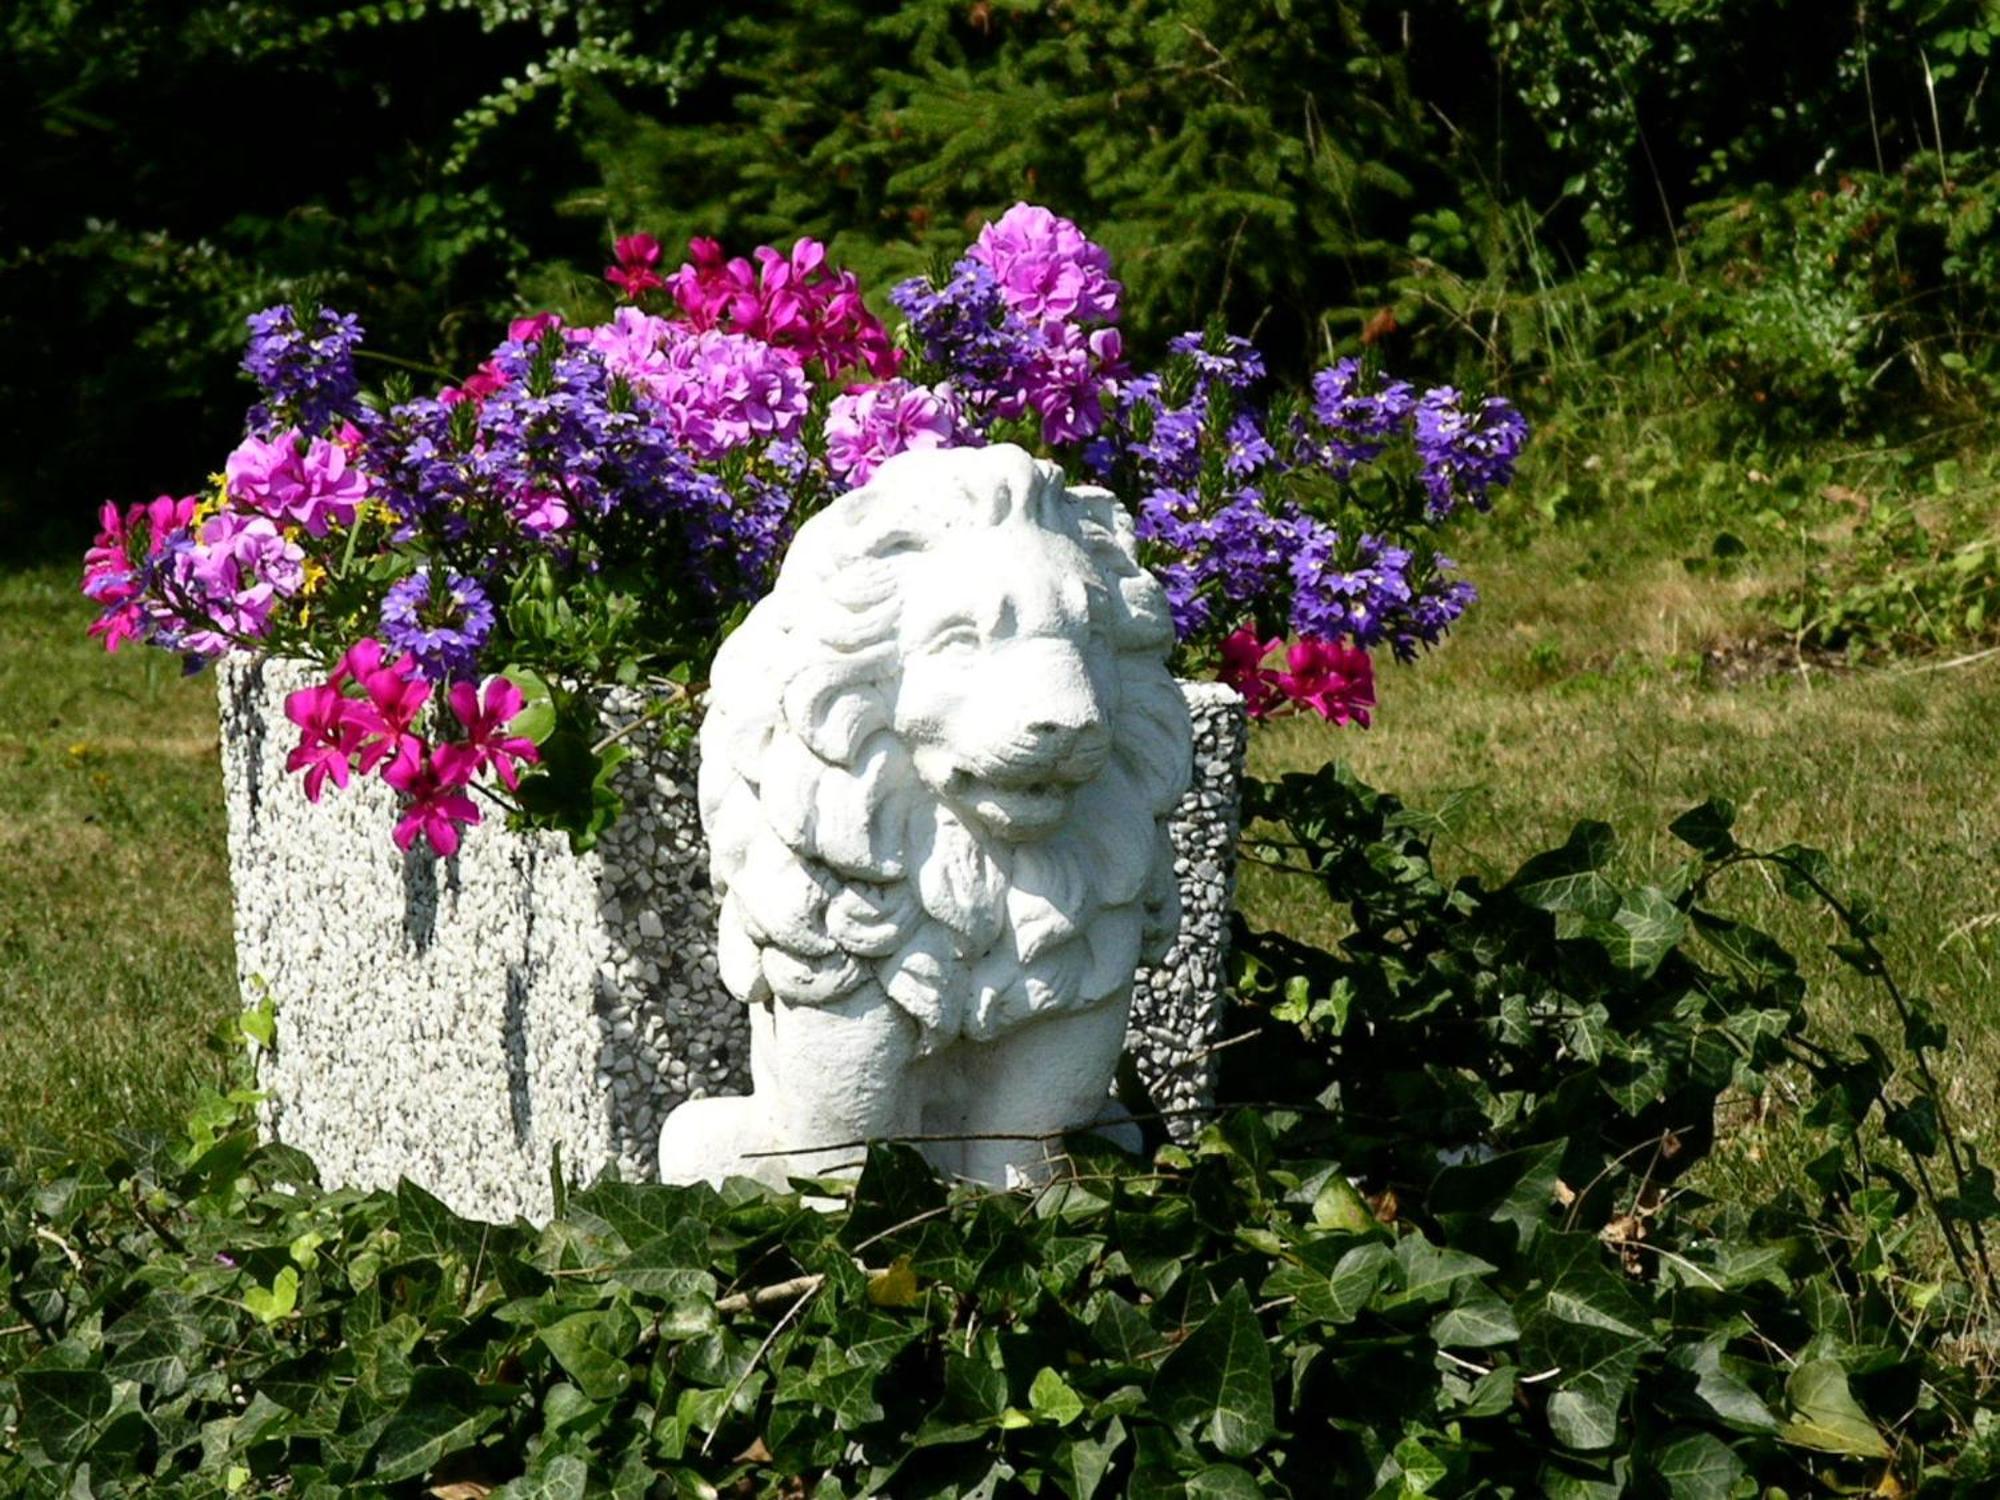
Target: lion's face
(939,757)
(1008,691)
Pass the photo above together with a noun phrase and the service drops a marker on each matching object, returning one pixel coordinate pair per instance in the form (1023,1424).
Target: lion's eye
(961,637)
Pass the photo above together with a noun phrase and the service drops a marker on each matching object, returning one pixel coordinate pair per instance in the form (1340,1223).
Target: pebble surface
(456,1021)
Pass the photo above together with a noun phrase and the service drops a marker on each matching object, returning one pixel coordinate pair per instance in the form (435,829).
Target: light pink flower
(866,427)
(1336,682)
(292,479)
(1047,269)
(233,577)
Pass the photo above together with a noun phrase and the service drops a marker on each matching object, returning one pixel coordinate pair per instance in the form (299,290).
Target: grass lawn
(116,960)
(1580,688)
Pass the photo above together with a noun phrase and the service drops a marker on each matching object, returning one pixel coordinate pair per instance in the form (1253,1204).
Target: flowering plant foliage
(598,504)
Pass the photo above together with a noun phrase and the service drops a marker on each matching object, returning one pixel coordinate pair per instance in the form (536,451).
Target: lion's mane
(837,867)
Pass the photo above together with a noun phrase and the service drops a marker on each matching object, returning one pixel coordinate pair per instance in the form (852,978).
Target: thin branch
(777,1292)
(756,1359)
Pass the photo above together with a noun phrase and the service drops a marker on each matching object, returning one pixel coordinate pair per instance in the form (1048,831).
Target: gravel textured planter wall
(456,1021)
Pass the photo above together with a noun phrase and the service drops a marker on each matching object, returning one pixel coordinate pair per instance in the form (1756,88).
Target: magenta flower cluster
(363,719)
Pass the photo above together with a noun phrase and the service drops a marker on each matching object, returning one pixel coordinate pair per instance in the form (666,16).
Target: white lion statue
(936,769)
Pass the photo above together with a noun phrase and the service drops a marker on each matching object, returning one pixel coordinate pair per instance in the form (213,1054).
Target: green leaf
(1431,1271)
(1082,1462)
(1218,1380)
(1825,1415)
(1645,929)
(442,1414)
(1706,829)
(1479,1320)
(537,719)
(592,1348)
(61,1408)
(1514,1188)
(1421,1468)
(563,1476)
(275,1304)
(1699,1466)
(1722,1391)
(1339,1205)
(1051,1398)
(1571,879)
(157,1343)
(1224,1482)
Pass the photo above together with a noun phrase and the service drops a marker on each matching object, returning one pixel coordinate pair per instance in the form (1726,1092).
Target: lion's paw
(709,1140)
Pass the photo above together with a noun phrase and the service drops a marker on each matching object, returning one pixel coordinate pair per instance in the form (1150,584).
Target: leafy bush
(385,157)
(1452,1242)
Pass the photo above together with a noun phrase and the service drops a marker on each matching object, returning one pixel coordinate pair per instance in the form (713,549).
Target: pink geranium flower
(797,303)
(637,255)
(393,694)
(118,563)
(328,736)
(486,728)
(1336,682)
(434,782)
(1243,668)
(529,329)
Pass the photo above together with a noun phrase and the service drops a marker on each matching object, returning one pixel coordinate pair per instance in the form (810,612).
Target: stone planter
(458,1021)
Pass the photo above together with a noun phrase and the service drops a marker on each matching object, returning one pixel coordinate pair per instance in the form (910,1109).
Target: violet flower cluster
(599,501)
(1317,522)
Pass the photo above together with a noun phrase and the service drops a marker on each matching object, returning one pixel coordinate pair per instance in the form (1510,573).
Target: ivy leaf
(1052,1399)
(1706,829)
(1223,1482)
(1421,1468)
(592,1347)
(157,1343)
(1514,1188)
(1571,879)
(1082,1462)
(1218,1379)
(562,1476)
(61,1408)
(1826,1415)
(1699,1466)
(442,1414)
(275,1303)
(1479,1320)
(1431,1271)
(1646,927)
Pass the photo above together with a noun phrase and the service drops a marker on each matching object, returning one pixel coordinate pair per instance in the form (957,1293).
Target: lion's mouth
(1012,807)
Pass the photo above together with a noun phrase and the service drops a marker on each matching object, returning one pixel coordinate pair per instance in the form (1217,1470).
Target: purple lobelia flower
(442,626)
(967,328)
(1466,453)
(304,367)
(1359,423)
(1233,360)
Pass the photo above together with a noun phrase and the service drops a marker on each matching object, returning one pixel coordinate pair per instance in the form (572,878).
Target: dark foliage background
(1788,202)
